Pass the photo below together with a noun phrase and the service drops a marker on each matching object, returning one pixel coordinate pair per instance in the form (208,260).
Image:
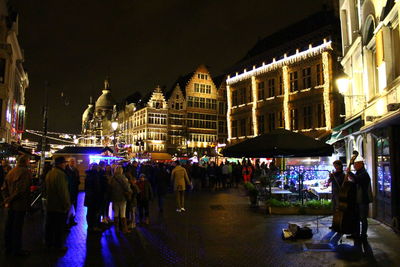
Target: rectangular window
(243,95)
(235,98)
(320,75)
(260,87)
(271,121)
(321,115)
(294,119)
(306,78)
(271,87)
(243,127)
(294,85)
(308,118)
(280,85)
(260,123)
(234,129)
(281,120)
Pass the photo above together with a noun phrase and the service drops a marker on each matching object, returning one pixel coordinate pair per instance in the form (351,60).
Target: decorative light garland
(228,112)
(254,108)
(311,52)
(327,85)
(285,80)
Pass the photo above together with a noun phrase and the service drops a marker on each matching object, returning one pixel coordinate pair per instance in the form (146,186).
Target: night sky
(75,44)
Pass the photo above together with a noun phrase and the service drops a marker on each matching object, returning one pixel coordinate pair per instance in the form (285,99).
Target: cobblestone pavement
(218,229)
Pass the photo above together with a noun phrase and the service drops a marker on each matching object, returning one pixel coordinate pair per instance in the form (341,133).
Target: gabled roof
(311,30)
(182,80)
(219,80)
(83,150)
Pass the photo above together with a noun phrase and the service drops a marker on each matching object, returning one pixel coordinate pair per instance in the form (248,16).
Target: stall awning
(160,156)
(343,130)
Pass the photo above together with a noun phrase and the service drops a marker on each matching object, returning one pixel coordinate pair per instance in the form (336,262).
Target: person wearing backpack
(120,193)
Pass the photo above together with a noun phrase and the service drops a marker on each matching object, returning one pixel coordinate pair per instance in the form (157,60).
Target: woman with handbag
(120,193)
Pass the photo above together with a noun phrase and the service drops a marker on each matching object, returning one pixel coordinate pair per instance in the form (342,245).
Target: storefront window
(384,179)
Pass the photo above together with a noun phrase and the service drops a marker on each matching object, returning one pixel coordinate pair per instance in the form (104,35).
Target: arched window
(369,28)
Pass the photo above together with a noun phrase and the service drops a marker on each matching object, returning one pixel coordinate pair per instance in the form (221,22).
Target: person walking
(120,193)
(364,195)
(16,194)
(247,172)
(336,179)
(93,198)
(144,198)
(162,182)
(58,204)
(132,203)
(73,186)
(180,179)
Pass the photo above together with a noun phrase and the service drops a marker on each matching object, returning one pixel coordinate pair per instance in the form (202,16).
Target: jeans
(143,206)
(55,227)
(362,213)
(13,230)
(119,209)
(180,199)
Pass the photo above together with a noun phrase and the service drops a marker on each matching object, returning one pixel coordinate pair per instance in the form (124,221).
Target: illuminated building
(97,119)
(371,61)
(143,124)
(285,81)
(13,78)
(194,120)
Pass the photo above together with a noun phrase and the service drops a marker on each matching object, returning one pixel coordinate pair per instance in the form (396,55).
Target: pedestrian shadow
(360,250)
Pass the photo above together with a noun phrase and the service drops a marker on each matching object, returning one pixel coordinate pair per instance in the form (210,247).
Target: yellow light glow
(381,107)
(254,108)
(228,112)
(327,86)
(343,85)
(287,60)
(285,77)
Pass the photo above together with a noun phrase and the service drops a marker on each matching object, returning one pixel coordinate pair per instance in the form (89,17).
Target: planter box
(297,210)
(311,211)
(284,210)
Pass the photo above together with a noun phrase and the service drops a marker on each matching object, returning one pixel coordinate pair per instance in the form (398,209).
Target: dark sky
(75,44)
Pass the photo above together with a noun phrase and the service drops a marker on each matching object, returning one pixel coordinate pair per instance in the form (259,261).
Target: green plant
(318,204)
(251,189)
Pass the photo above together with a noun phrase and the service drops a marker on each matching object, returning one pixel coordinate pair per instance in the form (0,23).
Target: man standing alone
(58,204)
(16,198)
(180,179)
(364,195)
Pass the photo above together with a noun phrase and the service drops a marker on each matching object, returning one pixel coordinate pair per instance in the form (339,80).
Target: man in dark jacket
(58,204)
(73,187)
(16,191)
(93,198)
(364,195)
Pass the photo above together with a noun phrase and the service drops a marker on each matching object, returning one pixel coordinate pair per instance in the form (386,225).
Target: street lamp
(342,83)
(114,125)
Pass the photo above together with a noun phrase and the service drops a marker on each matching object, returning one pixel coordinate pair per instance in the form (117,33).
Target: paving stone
(218,229)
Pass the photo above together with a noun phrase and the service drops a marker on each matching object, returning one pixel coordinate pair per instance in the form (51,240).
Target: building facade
(143,125)
(97,119)
(13,78)
(371,61)
(284,83)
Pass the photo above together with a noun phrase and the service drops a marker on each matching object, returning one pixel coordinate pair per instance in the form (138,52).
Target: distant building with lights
(97,119)
(286,81)
(188,118)
(371,61)
(13,78)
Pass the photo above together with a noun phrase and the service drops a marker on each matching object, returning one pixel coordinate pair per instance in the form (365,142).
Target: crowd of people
(129,188)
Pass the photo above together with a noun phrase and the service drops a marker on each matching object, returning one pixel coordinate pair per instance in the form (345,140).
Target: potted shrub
(275,206)
(318,207)
(252,193)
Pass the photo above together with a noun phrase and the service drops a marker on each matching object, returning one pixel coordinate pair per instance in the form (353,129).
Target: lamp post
(114,125)
(343,84)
